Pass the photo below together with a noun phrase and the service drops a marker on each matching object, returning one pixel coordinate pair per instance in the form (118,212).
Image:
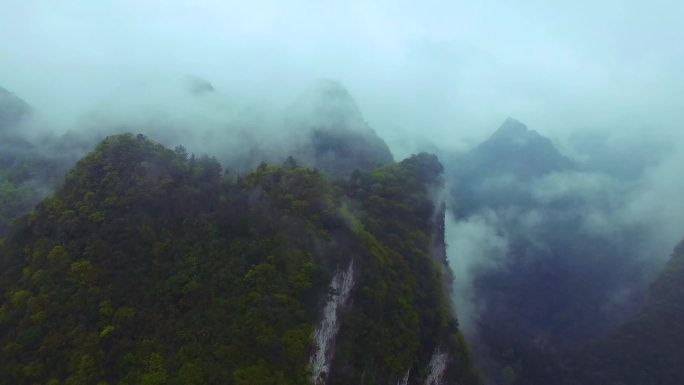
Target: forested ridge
(152,266)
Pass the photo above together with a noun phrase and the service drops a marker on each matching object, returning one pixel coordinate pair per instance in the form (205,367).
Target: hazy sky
(447,70)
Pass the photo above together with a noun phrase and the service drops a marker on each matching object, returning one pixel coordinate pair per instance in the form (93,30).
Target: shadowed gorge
(647,348)
(555,267)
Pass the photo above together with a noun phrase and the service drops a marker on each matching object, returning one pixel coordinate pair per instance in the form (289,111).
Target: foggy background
(447,72)
(604,81)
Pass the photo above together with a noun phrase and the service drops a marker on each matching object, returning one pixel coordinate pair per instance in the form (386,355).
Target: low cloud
(473,245)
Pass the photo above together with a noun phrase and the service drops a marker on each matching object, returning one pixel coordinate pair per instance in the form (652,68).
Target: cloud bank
(444,72)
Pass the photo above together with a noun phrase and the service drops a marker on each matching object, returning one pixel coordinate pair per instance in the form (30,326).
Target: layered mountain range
(321,261)
(571,272)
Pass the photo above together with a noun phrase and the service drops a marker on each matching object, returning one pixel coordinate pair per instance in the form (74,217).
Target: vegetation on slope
(401,313)
(148,266)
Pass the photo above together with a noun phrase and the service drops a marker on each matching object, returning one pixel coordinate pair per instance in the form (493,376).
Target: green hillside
(149,266)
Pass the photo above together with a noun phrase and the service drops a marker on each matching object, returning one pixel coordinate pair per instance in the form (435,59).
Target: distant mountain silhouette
(13,109)
(340,141)
(514,149)
(490,174)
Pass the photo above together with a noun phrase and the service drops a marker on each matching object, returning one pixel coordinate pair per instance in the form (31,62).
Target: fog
(551,249)
(604,81)
(446,72)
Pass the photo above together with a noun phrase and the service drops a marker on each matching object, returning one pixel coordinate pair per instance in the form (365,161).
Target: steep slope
(648,348)
(338,139)
(329,135)
(515,149)
(148,266)
(15,200)
(13,109)
(513,154)
(29,168)
(396,210)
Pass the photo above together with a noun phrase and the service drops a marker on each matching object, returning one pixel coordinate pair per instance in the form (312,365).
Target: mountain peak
(514,133)
(332,89)
(513,125)
(513,129)
(333,107)
(514,149)
(339,139)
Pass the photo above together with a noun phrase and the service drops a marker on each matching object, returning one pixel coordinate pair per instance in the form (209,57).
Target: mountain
(517,150)
(338,139)
(15,200)
(149,266)
(558,279)
(648,348)
(495,173)
(329,135)
(29,168)
(13,109)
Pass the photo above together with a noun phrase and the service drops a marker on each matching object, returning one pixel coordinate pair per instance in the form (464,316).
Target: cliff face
(149,266)
(401,283)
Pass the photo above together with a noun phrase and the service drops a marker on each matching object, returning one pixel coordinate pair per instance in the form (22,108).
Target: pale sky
(445,70)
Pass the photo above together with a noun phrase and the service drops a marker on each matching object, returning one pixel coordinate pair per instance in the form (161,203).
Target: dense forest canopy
(150,266)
